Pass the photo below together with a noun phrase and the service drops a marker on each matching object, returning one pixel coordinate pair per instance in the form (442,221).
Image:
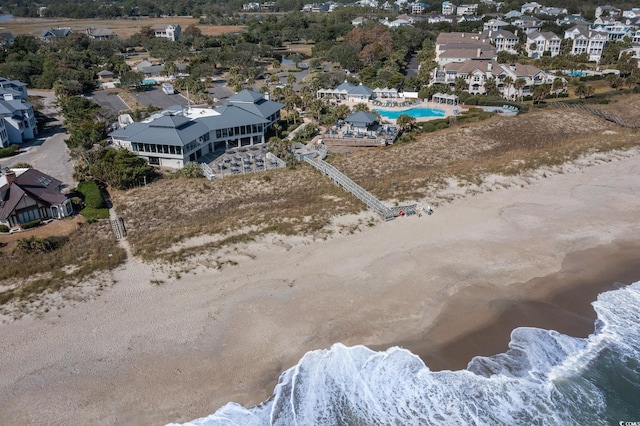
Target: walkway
(387,213)
(613,118)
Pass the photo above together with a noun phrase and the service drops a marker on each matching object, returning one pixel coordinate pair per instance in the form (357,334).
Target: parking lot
(113,103)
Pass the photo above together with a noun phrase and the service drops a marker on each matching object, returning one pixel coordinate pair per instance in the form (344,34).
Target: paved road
(47,153)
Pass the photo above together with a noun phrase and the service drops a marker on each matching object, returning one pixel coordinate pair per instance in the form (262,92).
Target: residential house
(615,30)
(170,31)
(540,42)
(175,136)
(635,52)
(528,24)
(101,34)
(396,22)
(467,9)
(28,194)
(611,11)
(434,19)
(6,39)
(251,7)
(359,21)
(495,25)
(635,37)
(267,6)
(632,13)
(459,47)
(19,119)
(512,14)
(53,34)
(476,73)
(15,88)
(150,69)
(530,7)
(585,40)
(552,11)
(448,8)
(572,20)
(105,76)
(503,40)
(417,8)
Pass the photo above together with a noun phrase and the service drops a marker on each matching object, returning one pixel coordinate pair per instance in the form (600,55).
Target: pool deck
(449,110)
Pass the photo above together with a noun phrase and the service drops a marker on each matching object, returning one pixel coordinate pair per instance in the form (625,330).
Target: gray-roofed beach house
(178,135)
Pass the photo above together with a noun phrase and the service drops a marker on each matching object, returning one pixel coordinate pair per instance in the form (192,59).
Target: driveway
(48,152)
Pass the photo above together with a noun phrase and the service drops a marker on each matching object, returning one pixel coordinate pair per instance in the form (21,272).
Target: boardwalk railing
(347,184)
(207,171)
(609,117)
(117,225)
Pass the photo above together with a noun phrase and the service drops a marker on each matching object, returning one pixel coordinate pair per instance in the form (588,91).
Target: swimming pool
(418,112)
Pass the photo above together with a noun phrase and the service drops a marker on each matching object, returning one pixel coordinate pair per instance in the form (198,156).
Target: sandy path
(148,354)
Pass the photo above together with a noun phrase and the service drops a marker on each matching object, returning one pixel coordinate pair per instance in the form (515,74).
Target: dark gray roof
(361,119)
(41,185)
(255,103)
(361,90)
(10,196)
(56,33)
(246,96)
(231,116)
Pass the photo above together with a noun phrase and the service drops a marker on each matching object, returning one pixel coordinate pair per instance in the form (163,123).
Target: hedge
(31,224)
(4,228)
(9,151)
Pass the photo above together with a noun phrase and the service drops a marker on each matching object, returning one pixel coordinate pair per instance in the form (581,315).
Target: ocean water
(545,378)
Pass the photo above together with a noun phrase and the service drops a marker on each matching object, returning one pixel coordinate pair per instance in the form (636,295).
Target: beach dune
(145,353)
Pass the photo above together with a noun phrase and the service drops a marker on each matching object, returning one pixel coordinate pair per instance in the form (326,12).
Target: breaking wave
(544,378)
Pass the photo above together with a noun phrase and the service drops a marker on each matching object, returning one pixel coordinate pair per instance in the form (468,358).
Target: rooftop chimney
(10,176)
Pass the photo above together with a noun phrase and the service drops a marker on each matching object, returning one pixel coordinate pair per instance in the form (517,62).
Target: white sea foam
(544,378)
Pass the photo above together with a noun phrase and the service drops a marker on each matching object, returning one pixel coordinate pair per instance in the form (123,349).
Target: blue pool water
(149,82)
(419,112)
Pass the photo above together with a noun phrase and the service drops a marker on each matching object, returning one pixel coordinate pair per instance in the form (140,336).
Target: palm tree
(405,121)
(557,86)
(461,85)
(508,81)
(519,85)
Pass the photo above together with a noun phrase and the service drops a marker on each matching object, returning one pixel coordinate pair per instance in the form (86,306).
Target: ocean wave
(544,378)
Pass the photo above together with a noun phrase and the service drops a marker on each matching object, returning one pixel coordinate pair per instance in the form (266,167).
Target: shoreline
(561,301)
(149,353)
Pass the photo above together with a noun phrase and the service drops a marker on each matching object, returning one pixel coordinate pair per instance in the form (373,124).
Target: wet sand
(478,320)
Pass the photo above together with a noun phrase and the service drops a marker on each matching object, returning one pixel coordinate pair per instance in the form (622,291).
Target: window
(154,161)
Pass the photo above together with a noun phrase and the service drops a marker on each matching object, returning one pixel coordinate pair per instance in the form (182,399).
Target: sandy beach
(153,348)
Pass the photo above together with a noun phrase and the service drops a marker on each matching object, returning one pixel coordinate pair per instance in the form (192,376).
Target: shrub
(9,151)
(32,224)
(4,228)
(33,244)
(91,193)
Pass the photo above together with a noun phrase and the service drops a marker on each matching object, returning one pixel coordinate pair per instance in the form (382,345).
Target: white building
(171,32)
(19,119)
(175,136)
(543,42)
(494,25)
(467,9)
(477,73)
(448,8)
(502,40)
(585,40)
(530,7)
